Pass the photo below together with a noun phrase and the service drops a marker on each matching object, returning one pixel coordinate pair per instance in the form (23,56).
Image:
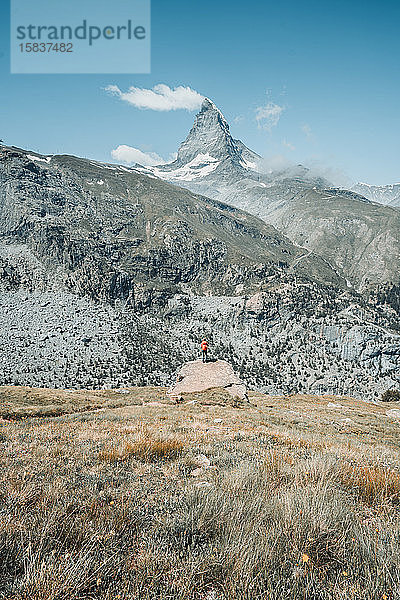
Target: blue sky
(331,68)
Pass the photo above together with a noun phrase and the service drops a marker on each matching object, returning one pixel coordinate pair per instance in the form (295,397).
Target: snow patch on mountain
(247,164)
(45,159)
(200,166)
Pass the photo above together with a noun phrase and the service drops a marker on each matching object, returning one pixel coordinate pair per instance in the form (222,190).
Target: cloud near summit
(161,97)
(268,116)
(130,156)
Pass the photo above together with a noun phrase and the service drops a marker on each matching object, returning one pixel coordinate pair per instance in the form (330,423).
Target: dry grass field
(120,495)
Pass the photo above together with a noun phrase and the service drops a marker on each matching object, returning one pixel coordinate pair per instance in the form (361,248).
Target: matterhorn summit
(211,162)
(209,135)
(342,226)
(209,154)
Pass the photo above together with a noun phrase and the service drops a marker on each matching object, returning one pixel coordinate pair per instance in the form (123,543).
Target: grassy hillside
(18,402)
(292,497)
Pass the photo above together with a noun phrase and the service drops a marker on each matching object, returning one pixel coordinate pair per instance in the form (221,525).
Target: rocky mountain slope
(109,277)
(108,232)
(389,195)
(360,239)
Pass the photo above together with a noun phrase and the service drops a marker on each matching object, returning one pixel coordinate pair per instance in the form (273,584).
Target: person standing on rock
(204,349)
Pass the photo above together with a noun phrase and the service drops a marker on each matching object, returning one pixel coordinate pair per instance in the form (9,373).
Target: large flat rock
(196,376)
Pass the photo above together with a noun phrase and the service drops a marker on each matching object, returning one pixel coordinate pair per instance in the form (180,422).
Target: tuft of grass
(148,450)
(214,397)
(153,450)
(372,483)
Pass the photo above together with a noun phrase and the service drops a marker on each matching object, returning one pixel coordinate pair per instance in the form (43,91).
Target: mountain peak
(208,105)
(208,152)
(209,135)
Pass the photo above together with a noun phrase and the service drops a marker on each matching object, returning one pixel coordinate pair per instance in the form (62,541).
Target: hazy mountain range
(389,195)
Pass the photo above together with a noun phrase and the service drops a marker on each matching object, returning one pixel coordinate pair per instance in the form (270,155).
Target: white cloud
(268,116)
(288,145)
(335,174)
(317,168)
(130,156)
(307,130)
(275,162)
(161,97)
(238,119)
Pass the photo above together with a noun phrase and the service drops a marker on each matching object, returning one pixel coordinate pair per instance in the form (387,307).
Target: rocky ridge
(389,195)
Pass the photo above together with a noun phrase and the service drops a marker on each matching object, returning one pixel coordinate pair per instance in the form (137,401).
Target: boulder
(196,376)
(256,303)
